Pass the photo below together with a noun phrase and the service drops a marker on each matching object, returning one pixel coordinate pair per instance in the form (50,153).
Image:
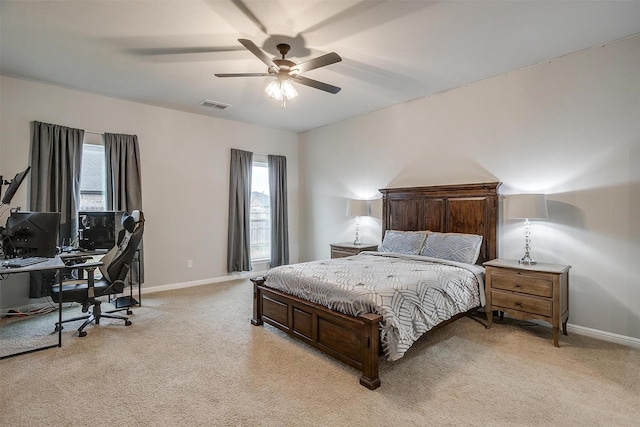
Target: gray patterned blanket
(412,293)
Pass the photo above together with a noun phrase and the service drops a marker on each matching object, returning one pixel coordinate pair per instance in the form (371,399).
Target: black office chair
(88,290)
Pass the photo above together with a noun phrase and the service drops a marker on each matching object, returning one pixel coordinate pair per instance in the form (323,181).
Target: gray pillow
(453,247)
(403,242)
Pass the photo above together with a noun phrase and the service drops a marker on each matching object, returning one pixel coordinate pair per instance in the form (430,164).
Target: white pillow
(403,242)
(453,247)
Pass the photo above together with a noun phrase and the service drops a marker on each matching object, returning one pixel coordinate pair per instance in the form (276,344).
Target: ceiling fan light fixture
(288,90)
(282,90)
(273,90)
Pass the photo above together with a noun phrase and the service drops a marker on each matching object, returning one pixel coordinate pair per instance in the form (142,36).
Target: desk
(52,264)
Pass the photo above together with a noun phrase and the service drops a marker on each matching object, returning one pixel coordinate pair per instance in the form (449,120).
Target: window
(260,220)
(92,174)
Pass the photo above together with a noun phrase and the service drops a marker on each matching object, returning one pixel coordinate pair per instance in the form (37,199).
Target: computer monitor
(14,184)
(29,234)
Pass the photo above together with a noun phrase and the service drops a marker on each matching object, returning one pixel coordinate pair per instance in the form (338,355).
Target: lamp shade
(527,206)
(357,207)
(278,89)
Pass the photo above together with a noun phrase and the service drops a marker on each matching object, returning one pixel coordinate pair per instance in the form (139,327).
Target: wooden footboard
(352,340)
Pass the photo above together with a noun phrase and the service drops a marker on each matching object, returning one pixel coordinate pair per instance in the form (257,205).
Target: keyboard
(23,262)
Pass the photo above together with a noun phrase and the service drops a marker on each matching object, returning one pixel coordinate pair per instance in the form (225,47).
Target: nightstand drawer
(525,283)
(521,302)
(341,253)
(341,250)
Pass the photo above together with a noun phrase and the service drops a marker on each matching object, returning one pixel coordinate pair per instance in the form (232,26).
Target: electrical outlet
(189,263)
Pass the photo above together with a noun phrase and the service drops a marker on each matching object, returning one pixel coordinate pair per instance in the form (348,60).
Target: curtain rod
(94,132)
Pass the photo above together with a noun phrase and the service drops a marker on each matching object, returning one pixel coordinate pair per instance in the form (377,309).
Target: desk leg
(60,309)
(139,280)
(59,274)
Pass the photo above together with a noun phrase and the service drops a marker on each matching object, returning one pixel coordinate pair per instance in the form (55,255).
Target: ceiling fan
(285,70)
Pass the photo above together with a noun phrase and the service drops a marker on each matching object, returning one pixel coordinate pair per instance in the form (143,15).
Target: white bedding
(412,293)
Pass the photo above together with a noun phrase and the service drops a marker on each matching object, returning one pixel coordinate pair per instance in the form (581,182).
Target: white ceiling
(392,51)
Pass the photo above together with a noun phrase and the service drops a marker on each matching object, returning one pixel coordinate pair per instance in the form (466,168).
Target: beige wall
(569,128)
(185,170)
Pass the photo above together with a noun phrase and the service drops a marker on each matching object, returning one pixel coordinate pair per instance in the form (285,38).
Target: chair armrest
(89,267)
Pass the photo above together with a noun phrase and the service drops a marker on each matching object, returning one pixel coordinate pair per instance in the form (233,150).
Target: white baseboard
(604,336)
(593,333)
(37,303)
(183,285)
(29,305)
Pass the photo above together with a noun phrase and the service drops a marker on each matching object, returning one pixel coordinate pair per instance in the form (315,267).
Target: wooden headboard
(462,208)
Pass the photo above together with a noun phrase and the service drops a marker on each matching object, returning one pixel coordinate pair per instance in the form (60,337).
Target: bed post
(370,350)
(257,307)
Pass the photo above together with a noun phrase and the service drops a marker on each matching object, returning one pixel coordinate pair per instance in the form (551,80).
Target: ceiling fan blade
(243,75)
(316,84)
(251,46)
(320,61)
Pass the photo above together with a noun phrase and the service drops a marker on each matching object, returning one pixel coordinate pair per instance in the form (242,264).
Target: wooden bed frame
(466,208)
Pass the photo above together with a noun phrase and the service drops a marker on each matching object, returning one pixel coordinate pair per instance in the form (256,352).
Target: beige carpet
(192,358)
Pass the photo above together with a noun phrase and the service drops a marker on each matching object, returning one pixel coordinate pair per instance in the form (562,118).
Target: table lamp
(357,208)
(527,206)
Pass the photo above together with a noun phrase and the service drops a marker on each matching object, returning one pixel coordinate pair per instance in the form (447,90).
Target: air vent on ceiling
(214,104)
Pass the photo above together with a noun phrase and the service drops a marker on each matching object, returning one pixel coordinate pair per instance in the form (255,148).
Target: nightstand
(340,250)
(538,291)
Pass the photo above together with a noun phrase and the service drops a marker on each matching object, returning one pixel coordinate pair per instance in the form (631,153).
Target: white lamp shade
(288,90)
(375,208)
(277,89)
(273,90)
(357,207)
(527,206)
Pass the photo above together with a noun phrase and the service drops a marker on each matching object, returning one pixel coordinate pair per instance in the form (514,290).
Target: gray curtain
(238,252)
(124,183)
(56,158)
(279,217)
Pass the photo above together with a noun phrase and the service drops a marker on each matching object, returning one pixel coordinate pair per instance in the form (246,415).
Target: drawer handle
(517,286)
(519,304)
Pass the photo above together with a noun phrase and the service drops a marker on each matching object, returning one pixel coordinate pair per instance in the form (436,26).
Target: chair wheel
(129,312)
(82,333)
(58,328)
(127,322)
